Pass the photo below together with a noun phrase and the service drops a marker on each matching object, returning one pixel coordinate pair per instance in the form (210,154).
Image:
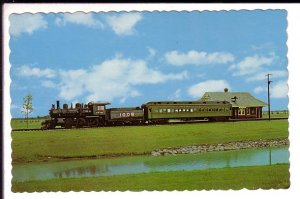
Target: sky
(129,58)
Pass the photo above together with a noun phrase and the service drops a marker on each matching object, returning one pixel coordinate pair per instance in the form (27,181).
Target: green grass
(38,145)
(22,123)
(265,177)
(276,114)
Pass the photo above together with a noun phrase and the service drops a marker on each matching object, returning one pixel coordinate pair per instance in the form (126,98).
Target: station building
(244,105)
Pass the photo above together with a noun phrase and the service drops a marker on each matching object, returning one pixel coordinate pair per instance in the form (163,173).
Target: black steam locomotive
(96,114)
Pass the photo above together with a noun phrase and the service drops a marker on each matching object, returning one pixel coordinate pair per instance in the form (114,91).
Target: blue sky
(131,58)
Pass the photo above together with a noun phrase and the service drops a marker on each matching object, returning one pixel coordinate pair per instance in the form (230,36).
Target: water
(145,164)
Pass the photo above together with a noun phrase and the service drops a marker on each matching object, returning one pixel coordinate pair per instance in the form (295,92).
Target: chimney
(57,104)
(233,99)
(225,90)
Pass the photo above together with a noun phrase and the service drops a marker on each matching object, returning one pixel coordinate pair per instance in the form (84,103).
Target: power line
(269,103)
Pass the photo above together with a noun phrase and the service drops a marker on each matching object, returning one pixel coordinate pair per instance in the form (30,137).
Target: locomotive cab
(98,108)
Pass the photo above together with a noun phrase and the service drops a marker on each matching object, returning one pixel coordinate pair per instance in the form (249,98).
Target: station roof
(186,102)
(237,99)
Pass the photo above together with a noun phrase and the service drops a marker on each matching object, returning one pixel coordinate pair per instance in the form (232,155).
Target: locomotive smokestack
(57,104)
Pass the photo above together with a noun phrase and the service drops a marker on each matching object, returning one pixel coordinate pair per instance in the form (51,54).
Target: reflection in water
(143,164)
(81,171)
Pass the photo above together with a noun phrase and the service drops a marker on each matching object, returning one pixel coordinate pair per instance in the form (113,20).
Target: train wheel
(45,124)
(93,122)
(52,125)
(68,123)
(80,122)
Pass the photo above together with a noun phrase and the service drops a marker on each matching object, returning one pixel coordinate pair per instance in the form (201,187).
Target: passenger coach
(159,112)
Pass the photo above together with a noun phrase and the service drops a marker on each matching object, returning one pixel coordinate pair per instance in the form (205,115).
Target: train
(97,114)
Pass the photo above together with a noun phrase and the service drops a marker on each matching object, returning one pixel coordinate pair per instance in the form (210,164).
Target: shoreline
(238,145)
(191,149)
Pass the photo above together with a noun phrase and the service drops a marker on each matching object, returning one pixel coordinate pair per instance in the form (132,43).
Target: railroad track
(172,123)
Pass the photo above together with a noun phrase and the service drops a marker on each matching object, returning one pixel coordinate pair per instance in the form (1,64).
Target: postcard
(118,99)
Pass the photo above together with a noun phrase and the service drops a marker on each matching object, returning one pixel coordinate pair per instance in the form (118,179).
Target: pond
(145,164)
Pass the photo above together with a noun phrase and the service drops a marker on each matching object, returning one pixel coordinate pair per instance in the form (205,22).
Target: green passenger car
(187,110)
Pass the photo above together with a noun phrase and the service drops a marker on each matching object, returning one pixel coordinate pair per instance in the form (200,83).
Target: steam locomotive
(97,114)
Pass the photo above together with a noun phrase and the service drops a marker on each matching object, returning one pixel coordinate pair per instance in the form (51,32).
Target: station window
(160,110)
(169,110)
(180,110)
(164,110)
(183,110)
(241,111)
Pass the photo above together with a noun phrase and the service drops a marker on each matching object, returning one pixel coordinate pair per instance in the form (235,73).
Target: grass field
(55,145)
(22,123)
(265,177)
(116,141)
(276,114)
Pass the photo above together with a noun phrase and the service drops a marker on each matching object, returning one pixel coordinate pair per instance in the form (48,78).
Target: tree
(27,106)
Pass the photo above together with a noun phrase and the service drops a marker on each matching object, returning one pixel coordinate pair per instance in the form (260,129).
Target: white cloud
(264,46)
(27,71)
(176,95)
(251,65)
(14,106)
(26,23)
(49,84)
(262,75)
(72,83)
(279,90)
(132,94)
(113,79)
(259,89)
(197,90)
(198,58)
(79,18)
(123,24)
(152,53)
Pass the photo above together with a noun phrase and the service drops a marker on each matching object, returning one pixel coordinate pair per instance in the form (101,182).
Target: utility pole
(269,82)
